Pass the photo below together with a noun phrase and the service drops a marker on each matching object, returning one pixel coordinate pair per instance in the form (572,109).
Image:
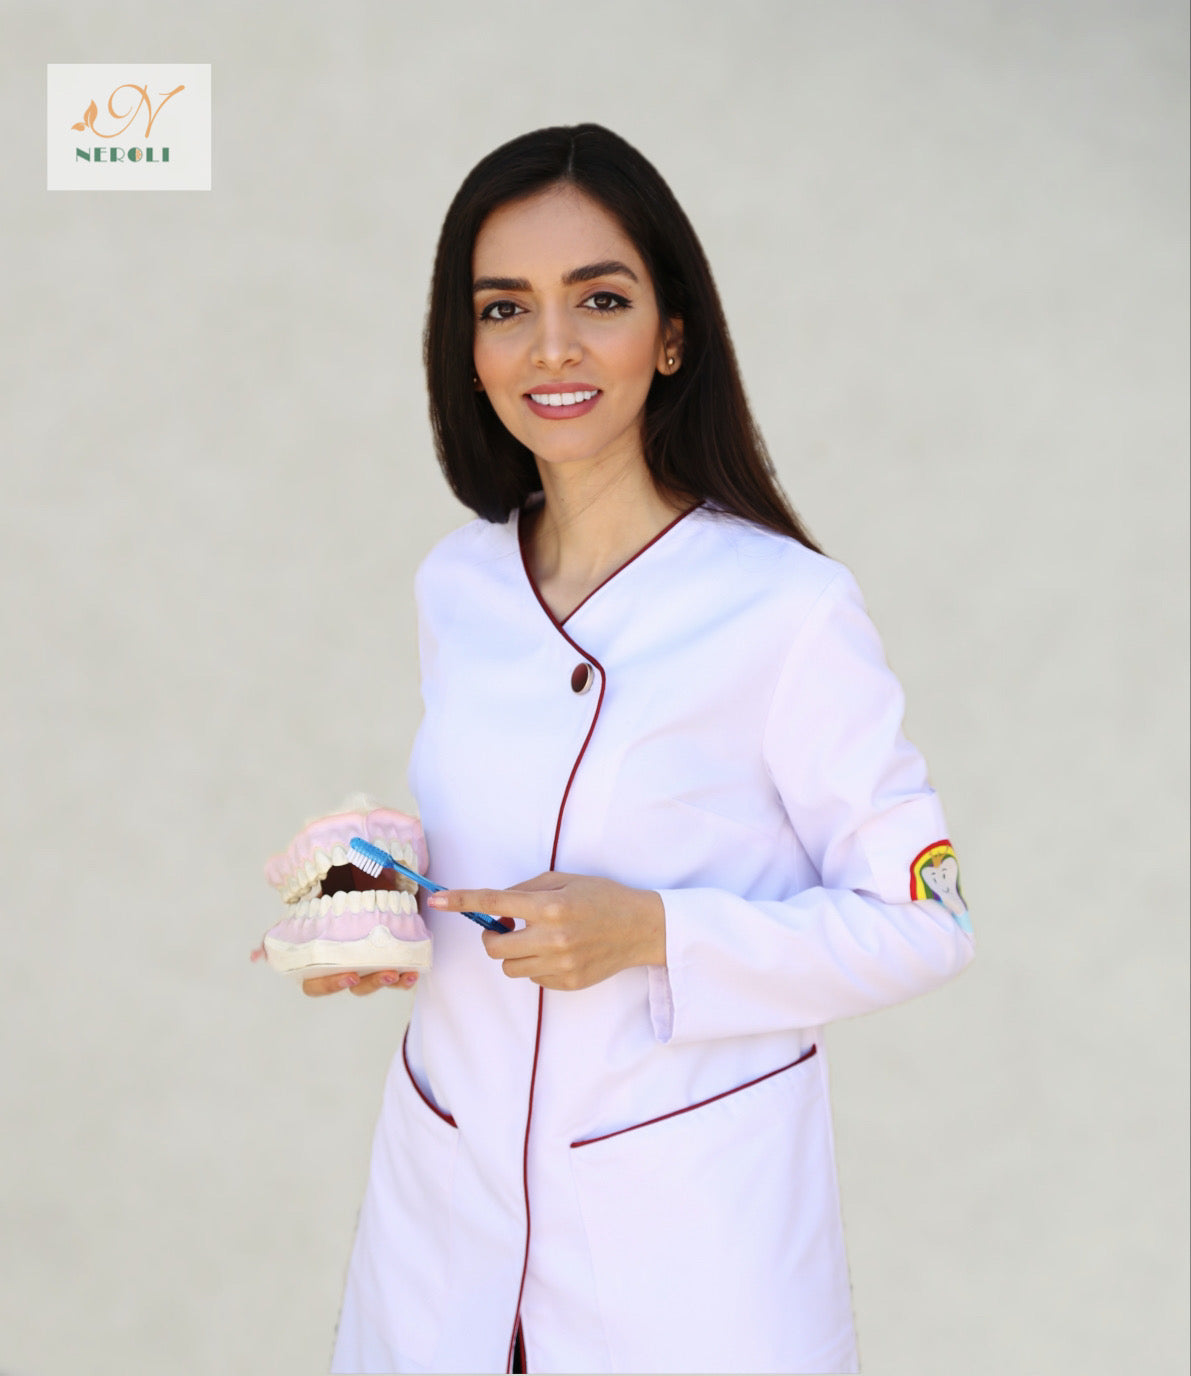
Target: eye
(495,310)
(612,302)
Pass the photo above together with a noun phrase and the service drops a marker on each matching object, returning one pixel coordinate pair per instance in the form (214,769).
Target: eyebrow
(584,274)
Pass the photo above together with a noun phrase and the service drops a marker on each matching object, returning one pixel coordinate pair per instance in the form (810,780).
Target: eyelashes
(490,314)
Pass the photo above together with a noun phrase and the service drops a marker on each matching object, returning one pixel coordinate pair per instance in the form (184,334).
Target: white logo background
(183,125)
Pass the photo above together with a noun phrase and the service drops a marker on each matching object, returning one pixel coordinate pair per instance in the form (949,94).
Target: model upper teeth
(306,878)
(562,398)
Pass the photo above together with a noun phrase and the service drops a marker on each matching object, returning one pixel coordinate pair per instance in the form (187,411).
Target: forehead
(544,235)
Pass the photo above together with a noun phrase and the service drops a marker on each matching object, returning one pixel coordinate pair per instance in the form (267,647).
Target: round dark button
(582,677)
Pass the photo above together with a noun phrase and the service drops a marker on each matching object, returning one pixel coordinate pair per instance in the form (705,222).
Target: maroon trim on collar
(690,1108)
(433,1107)
(521,528)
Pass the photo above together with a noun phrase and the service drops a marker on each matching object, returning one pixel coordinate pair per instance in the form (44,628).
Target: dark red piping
(434,1108)
(533,1076)
(653,541)
(537,1041)
(690,1108)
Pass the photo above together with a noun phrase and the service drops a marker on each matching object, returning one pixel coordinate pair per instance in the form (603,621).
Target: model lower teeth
(369,901)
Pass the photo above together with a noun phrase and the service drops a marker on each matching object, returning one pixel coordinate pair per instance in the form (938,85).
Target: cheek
(487,356)
(636,360)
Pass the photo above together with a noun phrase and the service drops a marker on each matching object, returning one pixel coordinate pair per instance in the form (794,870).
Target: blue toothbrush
(371,859)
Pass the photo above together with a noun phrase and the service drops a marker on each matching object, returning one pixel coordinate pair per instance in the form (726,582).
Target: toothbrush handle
(493,924)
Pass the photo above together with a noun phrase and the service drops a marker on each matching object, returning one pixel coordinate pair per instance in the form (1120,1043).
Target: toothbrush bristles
(364,858)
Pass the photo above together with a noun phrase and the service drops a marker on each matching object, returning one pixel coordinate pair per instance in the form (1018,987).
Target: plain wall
(951,243)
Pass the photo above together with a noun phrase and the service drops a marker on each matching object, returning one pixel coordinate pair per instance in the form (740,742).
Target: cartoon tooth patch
(934,873)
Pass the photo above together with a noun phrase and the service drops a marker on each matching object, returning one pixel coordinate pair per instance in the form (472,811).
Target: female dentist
(660,735)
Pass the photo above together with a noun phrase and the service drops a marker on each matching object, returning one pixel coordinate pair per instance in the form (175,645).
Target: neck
(593,521)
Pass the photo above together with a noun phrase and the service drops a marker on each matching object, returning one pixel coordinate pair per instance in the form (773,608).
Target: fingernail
(389,979)
(437,900)
(409,981)
(348,981)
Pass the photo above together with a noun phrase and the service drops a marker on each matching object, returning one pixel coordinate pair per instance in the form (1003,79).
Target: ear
(671,348)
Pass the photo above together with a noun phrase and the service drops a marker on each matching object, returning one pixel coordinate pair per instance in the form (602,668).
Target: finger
(495,902)
(385,979)
(369,984)
(521,968)
(501,945)
(328,984)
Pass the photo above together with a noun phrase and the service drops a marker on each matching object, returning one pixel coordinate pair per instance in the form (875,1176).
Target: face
(565,310)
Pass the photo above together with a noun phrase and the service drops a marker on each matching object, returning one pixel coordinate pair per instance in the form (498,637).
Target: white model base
(379,950)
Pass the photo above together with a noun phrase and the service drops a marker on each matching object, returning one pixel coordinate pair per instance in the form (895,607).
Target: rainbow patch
(929,859)
(934,873)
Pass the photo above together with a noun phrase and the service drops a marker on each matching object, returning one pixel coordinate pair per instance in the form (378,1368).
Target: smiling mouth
(563,405)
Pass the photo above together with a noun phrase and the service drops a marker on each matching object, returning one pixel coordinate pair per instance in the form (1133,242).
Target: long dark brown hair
(701,442)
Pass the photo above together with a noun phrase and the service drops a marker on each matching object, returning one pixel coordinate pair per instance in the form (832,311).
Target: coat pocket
(397,1285)
(715,1233)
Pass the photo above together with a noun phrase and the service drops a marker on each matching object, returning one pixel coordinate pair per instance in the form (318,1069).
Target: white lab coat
(668,1202)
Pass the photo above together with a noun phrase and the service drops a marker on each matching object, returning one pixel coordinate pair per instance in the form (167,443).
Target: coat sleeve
(887,920)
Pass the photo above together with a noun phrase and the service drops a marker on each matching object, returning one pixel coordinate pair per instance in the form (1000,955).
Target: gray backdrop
(950,242)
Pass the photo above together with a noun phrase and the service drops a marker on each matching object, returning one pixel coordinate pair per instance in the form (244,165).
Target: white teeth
(561,398)
(295,886)
(304,907)
(407,857)
(314,866)
(370,900)
(353,901)
(339,903)
(324,905)
(339,854)
(382,900)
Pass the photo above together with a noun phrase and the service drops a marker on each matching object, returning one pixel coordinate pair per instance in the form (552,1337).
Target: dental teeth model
(337,917)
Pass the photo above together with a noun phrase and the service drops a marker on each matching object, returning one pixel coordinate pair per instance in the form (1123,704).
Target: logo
(114,152)
(934,873)
(120,127)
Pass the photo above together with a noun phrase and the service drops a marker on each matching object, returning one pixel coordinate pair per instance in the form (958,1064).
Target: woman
(660,735)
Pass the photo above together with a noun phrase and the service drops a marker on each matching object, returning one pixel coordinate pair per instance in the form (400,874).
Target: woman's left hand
(578,930)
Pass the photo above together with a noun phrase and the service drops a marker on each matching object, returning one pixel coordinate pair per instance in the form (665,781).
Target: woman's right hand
(359,984)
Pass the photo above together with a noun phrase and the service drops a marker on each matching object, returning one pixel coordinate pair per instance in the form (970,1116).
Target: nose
(555,341)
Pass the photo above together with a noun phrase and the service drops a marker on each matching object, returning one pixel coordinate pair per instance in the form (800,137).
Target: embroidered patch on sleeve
(934,873)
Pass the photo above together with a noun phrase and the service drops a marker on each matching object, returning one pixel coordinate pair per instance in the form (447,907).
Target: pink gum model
(362,930)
